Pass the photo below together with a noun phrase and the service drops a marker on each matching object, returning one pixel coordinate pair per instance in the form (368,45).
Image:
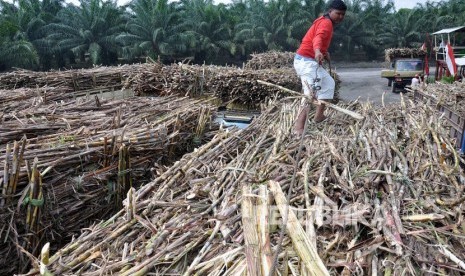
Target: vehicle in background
(404,65)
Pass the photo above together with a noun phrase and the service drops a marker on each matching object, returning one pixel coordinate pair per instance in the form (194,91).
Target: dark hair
(338,5)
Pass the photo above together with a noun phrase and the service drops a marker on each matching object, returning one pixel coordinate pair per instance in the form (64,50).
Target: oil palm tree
(89,29)
(433,19)
(353,32)
(402,29)
(454,8)
(15,50)
(211,27)
(155,29)
(22,28)
(268,26)
(372,13)
(303,18)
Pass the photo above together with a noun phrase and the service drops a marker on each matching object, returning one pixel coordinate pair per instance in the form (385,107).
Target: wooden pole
(352,114)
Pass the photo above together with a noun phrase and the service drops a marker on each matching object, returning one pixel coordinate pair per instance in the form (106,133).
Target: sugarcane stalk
(451,256)
(44,260)
(423,217)
(251,234)
(34,202)
(131,205)
(6,174)
(304,247)
(319,201)
(263,213)
(310,228)
(16,165)
(121,183)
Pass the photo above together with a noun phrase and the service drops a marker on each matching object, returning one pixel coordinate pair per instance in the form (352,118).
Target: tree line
(50,34)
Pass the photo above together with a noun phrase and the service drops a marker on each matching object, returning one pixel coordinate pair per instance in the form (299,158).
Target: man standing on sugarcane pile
(307,62)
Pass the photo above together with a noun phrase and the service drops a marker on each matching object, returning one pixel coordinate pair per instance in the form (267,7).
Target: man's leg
(326,93)
(300,122)
(307,72)
(320,113)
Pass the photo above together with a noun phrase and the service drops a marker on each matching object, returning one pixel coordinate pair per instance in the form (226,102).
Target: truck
(404,65)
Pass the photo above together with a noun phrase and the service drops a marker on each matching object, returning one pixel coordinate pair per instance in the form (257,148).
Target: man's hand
(327,57)
(319,56)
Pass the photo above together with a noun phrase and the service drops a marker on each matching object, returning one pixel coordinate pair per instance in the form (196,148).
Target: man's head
(337,10)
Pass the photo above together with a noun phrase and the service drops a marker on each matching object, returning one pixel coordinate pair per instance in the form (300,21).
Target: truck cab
(402,71)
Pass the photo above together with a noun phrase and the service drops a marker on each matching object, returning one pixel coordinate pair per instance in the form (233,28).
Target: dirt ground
(365,84)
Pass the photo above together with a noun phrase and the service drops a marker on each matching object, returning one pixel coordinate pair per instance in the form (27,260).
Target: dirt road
(365,84)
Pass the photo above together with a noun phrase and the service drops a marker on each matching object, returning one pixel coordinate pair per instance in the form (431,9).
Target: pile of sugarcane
(451,96)
(66,164)
(72,79)
(272,59)
(228,84)
(11,96)
(392,53)
(21,98)
(383,195)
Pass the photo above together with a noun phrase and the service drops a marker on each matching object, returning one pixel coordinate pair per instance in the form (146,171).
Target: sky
(408,3)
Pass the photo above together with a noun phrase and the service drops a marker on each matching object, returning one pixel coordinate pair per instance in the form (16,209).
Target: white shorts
(306,69)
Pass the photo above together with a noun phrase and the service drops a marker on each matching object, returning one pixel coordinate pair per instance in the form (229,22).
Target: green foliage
(402,29)
(431,79)
(88,30)
(41,34)
(155,29)
(20,26)
(448,79)
(19,53)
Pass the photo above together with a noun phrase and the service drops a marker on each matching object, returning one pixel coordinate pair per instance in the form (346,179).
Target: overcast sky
(408,3)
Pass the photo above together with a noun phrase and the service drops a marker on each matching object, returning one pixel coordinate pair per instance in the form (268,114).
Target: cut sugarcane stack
(391,53)
(451,96)
(67,164)
(379,196)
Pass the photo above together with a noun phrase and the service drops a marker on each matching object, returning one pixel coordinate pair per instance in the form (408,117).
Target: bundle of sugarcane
(228,84)
(449,95)
(80,116)
(382,195)
(17,99)
(269,60)
(17,95)
(241,87)
(392,53)
(83,170)
(73,79)
(176,79)
(19,78)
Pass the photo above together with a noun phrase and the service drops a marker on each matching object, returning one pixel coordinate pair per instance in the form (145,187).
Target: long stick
(352,114)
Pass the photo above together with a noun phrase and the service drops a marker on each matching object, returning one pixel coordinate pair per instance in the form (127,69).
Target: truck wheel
(389,82)
(393,88)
